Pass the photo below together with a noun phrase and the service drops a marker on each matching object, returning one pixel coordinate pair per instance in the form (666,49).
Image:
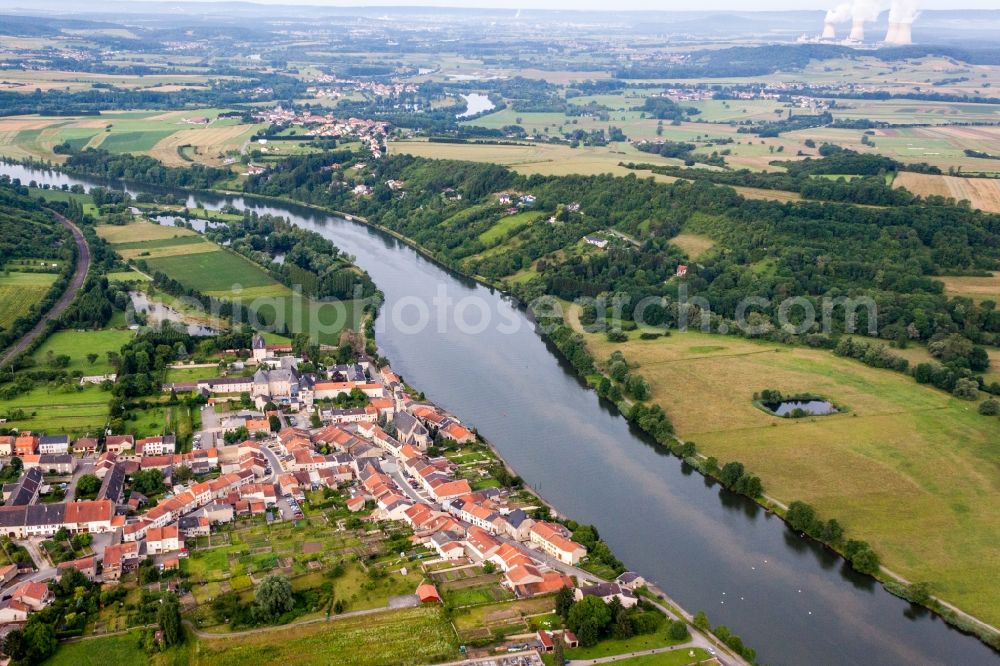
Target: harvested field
(982,193)
(209,143)
(980,288)
(140,231)
(694,245)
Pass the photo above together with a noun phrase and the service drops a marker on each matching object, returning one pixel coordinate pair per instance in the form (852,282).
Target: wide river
(791,600)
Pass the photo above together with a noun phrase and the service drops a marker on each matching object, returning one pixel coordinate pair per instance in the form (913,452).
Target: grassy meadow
(411,636)
(61,409)
(19,291)
(77,344)
(908,468)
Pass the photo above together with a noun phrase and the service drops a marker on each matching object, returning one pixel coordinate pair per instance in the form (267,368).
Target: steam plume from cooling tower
(838,14)
(862,11)
(902,14)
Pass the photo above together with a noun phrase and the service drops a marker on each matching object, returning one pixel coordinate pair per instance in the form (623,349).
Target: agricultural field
(505,618)
(981,193)
(155,133)
(27,81)
(410,636)
(20,291)
(62,195)
(65,408)
(978,288)
(544,159)
(899,445)
(940,146)
(119,649)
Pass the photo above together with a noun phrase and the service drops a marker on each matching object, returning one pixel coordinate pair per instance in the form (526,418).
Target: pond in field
(810,407)
(475,103)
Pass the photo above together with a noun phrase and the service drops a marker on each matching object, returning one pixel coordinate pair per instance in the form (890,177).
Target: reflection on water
(475,103)
(157,312)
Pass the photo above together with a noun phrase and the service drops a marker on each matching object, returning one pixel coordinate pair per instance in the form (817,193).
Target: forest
(766,248)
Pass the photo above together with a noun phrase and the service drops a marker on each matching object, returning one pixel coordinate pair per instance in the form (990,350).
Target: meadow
(694,245)
(20,291)
(77,344)
(403,637)
(61,409)
(908,468)
(507,224)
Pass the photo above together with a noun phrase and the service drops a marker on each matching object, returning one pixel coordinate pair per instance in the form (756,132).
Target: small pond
(810,407)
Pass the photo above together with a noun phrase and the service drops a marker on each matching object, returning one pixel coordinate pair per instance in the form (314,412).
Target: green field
(16,300)
(60,409)
(106,651)
(127,276)
(900,445)
(20,291)
(134,142)
(612,646)
(77,344)
(507,224)
(679,657)
(60,195)
(19,279)
(219,273)
(411,636)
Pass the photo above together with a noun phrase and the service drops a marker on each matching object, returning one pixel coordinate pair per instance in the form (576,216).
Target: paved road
(82,266)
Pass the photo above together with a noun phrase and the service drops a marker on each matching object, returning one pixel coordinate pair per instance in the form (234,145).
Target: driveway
(83,466)
(211,429)
(82,266)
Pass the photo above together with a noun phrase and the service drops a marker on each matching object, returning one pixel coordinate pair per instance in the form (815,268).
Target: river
(790,599)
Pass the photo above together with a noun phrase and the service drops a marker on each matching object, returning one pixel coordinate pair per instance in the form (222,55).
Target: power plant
(902,14)
(862,11)
(838,14)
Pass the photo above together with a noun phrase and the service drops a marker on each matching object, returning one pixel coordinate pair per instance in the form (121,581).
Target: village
(352,436)
(371,133)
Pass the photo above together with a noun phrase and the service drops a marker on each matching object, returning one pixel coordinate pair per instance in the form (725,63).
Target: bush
(677,631)
(966,389)
(989,407)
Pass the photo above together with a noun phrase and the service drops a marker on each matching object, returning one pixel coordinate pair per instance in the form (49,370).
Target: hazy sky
(618,5)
